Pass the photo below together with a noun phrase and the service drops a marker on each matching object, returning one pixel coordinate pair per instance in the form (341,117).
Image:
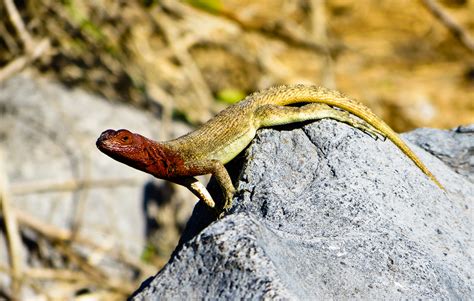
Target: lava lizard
(207,149)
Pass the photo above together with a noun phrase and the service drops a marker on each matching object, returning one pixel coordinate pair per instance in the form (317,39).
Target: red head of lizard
(136,151)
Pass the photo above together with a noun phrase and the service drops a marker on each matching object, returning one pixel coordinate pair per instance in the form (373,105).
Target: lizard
(223,137)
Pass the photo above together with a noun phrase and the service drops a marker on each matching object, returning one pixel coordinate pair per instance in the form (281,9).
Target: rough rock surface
(325,212)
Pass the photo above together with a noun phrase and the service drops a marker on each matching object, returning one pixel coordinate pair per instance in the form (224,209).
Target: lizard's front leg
(197,189)
(217,169)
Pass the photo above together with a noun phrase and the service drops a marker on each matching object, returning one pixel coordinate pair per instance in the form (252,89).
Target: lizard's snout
(104,137)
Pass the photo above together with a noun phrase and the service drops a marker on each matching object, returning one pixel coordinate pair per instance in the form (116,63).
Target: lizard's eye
(125,138)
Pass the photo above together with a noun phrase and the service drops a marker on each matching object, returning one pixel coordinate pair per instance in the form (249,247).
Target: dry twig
(21,62)
(62,235)
(319,34)
(456,29)
(47,274)
(289,35)
(12,232)
(33,49)
(19,25)
(69,185)
(179,45)
(24,278)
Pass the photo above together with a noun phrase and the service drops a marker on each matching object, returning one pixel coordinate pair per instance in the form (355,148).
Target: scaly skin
(207,149)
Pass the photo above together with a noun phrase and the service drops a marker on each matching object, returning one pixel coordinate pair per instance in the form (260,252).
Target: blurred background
(76,224)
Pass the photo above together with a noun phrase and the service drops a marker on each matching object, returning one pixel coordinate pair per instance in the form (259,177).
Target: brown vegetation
(411,61)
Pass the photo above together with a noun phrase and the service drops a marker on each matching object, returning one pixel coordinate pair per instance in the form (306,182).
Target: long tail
(285,95)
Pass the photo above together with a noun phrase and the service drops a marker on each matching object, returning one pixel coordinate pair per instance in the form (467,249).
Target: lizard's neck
(161,161)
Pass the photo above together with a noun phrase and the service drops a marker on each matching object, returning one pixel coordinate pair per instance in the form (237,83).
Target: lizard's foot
(369,130)
(228,202)
(221,211)
(225,210)
(223,205)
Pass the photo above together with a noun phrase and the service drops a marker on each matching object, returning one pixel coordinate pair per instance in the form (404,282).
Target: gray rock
(326,212)
(452,147)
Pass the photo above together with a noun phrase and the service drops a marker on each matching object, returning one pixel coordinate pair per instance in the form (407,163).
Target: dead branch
(97,275)
(19,25)
(29,275)
(55,274)
(12,232)
(62,235)
(33,49)
(456,29)
(47,274)
(9,40)
(79,205)
(178,45)
(319,34)
(70,185)
(289,34)
(21,62)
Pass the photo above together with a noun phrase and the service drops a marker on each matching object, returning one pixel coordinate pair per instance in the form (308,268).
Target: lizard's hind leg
(271,115)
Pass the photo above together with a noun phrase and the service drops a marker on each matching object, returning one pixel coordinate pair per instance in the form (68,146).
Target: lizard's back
(213,137)
(230,131)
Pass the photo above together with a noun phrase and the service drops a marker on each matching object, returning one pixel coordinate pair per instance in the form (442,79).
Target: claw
(370,133)
(369,130)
